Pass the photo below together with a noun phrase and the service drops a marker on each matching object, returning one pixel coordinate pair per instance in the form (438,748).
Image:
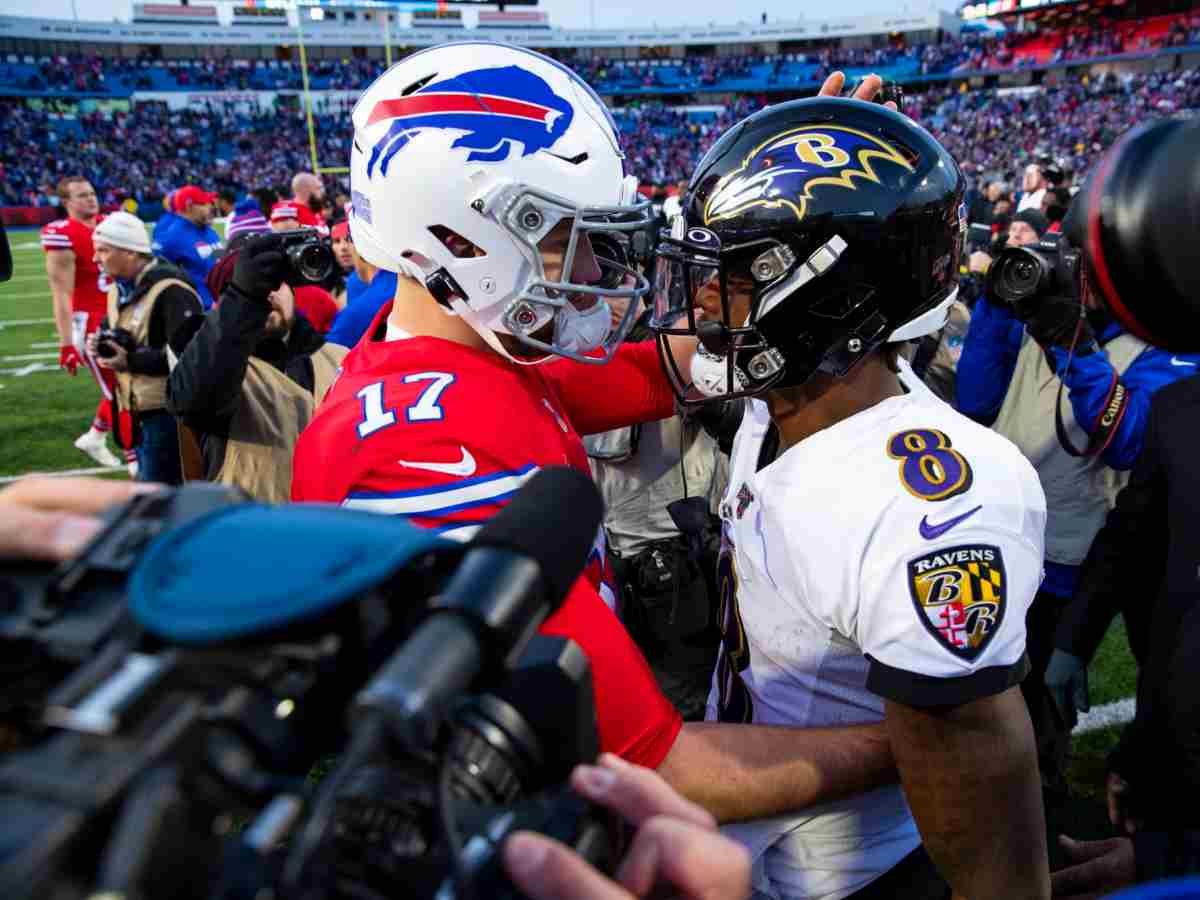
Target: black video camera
(1023,278)
(107,339)
(310,257)
(162,706)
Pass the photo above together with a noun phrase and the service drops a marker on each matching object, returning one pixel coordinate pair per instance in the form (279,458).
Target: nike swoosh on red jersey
(933,532)
(462,468)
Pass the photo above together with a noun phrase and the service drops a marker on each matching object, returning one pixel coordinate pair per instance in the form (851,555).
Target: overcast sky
(577,13)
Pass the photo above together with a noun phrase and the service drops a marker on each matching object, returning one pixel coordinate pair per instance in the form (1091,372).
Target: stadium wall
(352,35)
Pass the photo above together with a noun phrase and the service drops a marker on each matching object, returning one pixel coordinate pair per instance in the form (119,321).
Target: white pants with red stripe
(83,324)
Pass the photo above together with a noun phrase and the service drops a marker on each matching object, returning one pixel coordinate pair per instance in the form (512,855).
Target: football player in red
(80,295)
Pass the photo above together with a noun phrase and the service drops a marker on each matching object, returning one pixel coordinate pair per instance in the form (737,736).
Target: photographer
(148,302)
(247,384)
(1017,359)
(1026,228)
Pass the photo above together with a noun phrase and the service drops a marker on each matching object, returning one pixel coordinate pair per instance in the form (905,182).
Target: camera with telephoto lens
(310,257)
(162,712)
(1022,278)
(107,339)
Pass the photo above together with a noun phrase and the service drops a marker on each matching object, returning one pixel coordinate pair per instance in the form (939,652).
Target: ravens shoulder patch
(960,595)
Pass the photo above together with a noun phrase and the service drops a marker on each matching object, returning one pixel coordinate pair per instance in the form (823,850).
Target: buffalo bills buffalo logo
(496,108)
(781,173)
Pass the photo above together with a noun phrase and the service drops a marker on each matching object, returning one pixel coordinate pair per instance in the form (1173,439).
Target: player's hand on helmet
(69,358)
(1095,868)
(1066,678)
(52,519)
(676,850)
(867,89)
(260,268)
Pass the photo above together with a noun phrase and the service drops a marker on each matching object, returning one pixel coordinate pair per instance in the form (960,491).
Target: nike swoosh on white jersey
(1176,361)
(462,468)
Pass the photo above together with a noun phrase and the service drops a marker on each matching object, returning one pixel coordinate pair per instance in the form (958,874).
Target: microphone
(516,572)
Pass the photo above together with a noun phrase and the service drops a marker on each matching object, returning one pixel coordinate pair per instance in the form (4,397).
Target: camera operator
(1143,564)
(248,381)
(148,302)
(1026,228)
(1017,359)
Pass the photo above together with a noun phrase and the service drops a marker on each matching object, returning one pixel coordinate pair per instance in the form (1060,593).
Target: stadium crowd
(992,132)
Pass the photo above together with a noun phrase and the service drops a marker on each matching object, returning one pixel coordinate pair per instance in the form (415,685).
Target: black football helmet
(841,219)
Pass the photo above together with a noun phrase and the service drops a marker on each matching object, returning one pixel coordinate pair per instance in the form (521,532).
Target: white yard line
(8,479)
(1116,713)
(29,370)
(28,356)
(4,297)
(14,322)
(43,345)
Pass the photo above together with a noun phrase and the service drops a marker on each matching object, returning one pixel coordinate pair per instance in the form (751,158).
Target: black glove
(1054,322)
(1066,678)
(260,268)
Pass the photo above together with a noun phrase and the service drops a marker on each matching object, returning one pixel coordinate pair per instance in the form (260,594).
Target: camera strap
(1115,404)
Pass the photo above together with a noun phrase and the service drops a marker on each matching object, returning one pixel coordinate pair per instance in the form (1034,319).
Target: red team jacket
(445,434)
(90,293)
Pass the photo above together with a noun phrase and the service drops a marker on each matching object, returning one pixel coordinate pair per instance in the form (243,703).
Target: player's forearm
(970,774)
(62,315)
(740,772)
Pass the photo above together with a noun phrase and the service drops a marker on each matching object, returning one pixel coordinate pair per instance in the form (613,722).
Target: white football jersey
(892,555)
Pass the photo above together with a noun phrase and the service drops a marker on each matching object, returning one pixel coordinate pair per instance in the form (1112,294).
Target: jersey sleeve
(631,388)
(942,622)
(635,720)
(56,236)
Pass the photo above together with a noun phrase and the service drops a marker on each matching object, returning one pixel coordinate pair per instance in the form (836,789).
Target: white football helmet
(497,145)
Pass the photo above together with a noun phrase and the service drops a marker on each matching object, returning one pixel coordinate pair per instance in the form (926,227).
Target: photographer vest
(1079,490)
(141,393)
(271,413)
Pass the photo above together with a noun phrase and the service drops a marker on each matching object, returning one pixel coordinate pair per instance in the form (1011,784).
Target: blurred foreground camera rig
(167,695)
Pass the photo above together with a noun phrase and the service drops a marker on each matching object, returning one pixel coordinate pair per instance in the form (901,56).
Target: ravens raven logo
(783,171)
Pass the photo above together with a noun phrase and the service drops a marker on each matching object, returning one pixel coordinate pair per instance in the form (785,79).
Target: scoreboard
(989,8)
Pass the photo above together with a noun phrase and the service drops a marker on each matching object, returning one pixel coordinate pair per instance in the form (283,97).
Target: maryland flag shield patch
(960,595)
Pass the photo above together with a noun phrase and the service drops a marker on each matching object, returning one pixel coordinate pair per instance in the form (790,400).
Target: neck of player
(417,312)
(800,412)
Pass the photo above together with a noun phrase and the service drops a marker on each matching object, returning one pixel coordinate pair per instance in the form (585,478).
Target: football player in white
(879,549)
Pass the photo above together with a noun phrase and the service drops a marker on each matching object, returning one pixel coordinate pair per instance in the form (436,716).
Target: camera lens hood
(1139,225)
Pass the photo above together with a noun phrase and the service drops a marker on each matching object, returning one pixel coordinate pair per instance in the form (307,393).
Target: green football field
(43,410)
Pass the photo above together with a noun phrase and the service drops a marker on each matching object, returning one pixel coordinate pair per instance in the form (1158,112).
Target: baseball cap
(341,231)
(189,194)
(124,231)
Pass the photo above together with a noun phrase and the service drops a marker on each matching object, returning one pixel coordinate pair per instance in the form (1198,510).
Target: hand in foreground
(259,268)
(676,846)
(52,519)
(69,358)
(1096,867)
(118,362)
(1120,796)
(866,90)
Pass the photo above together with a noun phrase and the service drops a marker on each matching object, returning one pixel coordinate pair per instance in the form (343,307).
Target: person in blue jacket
(190,241)
(1012,377)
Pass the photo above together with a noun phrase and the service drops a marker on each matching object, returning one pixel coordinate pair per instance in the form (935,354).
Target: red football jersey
(90,293)
(445,434)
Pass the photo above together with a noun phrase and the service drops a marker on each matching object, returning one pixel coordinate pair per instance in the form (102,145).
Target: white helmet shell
(497,145)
